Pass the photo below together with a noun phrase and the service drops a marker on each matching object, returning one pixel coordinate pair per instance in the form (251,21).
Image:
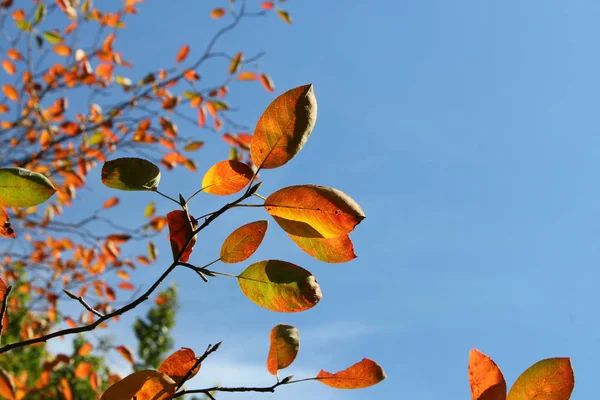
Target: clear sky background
(468,133)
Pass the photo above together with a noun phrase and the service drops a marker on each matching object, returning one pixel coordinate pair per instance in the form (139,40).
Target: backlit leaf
(226,177)
(361,375)
(10,92)
(280,286)
(314,211)
(62,50)
(550,379)
(235,64)
(267,5)
(126,353)
(178,364)
(267,82)
(217,13)
(83,370)
(243,242)
(150,209)
(144,385)
(7,388)
(284,127)
(130,174)
(331,250)
(183,53)
(247,76)
(22,188)
(126,286)
(113,201)
(85,349)
(181,230)
(6,228)
(485,378)
(285,344)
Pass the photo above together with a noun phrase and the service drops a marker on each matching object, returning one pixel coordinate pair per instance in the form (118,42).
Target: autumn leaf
(314,211)
(330,250)
(201,117)
(285,344)
(22,188)
(284,15)
(7,388)
(126,286)
(226,177)
(62,50)
(150,209)
(280,286)
(217,13)
(247,76)
(284,127)
(10,92)
(235,64)
(361,375)
(85,349)
(178,364)
(9,67)
(267,83)
(113,201)
(130,174)
(66,389)
(6,228)
(267,5)
(183,53)
(83,370)
(143,385)
(243,242)
(181,229)
(486,379)
(550,379)
(126,353)
(193,146)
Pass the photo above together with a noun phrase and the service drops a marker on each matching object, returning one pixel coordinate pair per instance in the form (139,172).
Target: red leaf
(361,375)
(181,229)
(267,5)
(285,343)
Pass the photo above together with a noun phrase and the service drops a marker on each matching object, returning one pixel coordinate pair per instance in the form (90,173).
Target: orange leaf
(235,64)
(126,286)
(193,146)
(183,53)
(284,127)
(142,385)
(181,230)
(285,343)
(70,322)
(7,388)
(267,5)
(123,275)
(550,379)
(361,375)
(331,250)
(247,76)
(243,242)
(113,201)
(178,364)
(9,67)
(226,177)
(85,349)
(83,370)
(66,389)
(10,92)
(14,54)
(6,229)
(217,13)
(126,353)
(62,50)
(267,83)
(486,379)
(201,117)
(314,211)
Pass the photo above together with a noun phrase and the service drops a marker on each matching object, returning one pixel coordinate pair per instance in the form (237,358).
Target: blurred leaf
(217,13)
(183,53)
(193,146)
(9,67)
(130,174)
(284,15)
(243,242)
(52,37)
(40,12)
(267,83)
(126,353)
(144,385)
(7,389)
(285,344)
(361,375)
(113,201)
(235,64)
(10,92)
(22,188)
(247,76)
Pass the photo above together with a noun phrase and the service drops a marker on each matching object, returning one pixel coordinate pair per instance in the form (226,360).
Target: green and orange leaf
(330,250)
(285,344)
(550,379)
(243,242)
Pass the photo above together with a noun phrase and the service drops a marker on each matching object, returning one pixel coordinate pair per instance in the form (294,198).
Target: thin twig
(209,350)
(264,389)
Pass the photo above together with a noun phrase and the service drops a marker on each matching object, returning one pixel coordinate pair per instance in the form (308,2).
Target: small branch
(260,197)
(265,389)
(83,303)
(166,196)
(3,309)
(209,350)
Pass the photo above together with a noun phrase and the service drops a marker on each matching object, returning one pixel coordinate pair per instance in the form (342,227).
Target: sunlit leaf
(330,250)
(285,344)
(126,353)
(183,53)
(181,229)
(243,242)
(267,5)
(144,385)
(235,64)
(83,370)
(62,50)
(85,349)
(314,211)
(280,286)
(226,177)
(485,378)
(22,188)
(130,174)
(284,15)
(267,82)
(361,375)
(178,364)
(10,92)
(150,209)
(113,201)
(247,76)
(550,379)
(7,389)
(217,13)
(9,67)
(6,228)
(284,127)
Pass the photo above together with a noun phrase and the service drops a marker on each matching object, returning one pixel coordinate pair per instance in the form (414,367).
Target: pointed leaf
(485,378)
(361,375)
(6,229)
(550,379)
(314,211)
(7,389)
(130,174)
(177,365)
(284,15)
(284,127)
(243,242)
(285,344)
(52,37)
(330,250)
(267,82)
(181,229)
(235,64)
(22,188)
(280,286)
(226,177)
(126,353)
(40,12)
(183,53)
(144,385)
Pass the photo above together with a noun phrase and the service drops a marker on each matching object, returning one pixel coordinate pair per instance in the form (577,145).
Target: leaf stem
(167,197)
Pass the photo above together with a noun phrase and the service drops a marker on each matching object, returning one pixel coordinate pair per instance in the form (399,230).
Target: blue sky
(467,131)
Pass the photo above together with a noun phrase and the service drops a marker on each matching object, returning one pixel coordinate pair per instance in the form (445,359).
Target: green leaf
(280,286)
(24,25)
(550,379)
(40,13)
(53,37)
(130,174)
(22,188)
